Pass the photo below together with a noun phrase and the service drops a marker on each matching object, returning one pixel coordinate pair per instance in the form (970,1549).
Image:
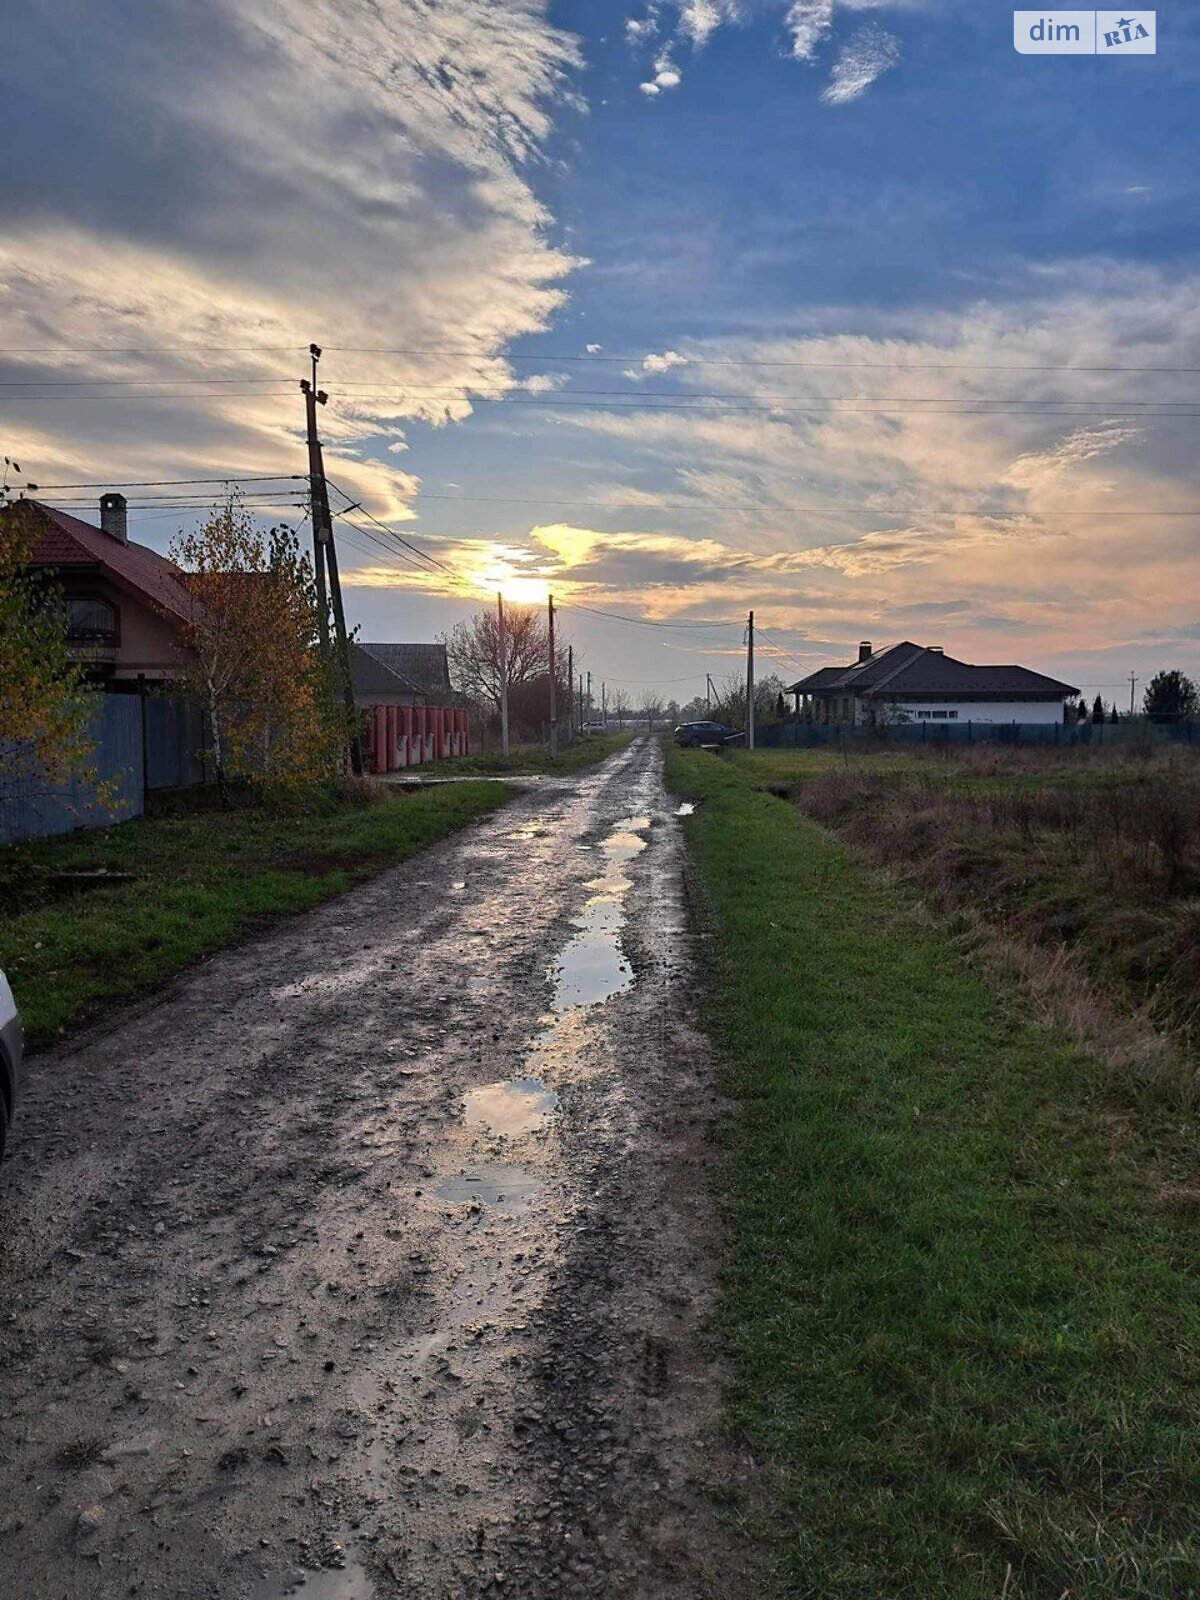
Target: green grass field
(188,885)
(960,1296)
(587,751)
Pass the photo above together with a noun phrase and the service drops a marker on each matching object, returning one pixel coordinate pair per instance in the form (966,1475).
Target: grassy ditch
(1091,861)
(960,1293)
(532,758)
(93,917)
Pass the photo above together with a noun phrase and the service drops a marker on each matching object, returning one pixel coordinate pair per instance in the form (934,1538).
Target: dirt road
(374,1258)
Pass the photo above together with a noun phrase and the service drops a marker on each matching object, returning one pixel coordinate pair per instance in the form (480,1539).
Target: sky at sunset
(837,309)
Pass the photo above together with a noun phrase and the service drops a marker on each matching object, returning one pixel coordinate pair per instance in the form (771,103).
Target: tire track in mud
(375,1258)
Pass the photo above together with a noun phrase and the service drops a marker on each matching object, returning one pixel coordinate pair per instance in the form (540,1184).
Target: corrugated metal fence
(129,758)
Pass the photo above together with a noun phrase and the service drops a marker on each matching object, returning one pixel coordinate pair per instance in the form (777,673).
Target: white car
(12,1048)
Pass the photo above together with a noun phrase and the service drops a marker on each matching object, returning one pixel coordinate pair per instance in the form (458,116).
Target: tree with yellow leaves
(44,704)
(253,657)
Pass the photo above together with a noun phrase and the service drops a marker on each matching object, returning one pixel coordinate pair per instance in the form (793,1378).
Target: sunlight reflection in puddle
(330,1583)
(509,1109)
(506,1188)
(685,808)
(592,966)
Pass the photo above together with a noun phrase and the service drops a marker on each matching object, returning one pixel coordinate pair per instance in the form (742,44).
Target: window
(937,716)
(89,618)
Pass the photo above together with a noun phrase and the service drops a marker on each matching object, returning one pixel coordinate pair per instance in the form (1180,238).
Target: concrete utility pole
(553,685)
(587,704)
(571,693)
(709,692)
(1132,690)
(582,718)
(750,683)
(325,558)
(503,677)
(604,705)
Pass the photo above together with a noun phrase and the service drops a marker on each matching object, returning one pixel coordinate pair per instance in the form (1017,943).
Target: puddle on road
(329,1583)
(506,1188)
(592,966)
(509,1109)
(685,808)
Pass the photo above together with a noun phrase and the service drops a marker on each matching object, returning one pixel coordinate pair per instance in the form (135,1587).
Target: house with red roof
(125,604)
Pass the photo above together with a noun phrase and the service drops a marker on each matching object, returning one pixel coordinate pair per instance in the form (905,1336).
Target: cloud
(807,23)
(210,212)
(870,473)
(1078,446)
(663,362)
(593,349)
(863,58)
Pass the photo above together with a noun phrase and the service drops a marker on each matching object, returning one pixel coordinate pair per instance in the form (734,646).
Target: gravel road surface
(375,1258)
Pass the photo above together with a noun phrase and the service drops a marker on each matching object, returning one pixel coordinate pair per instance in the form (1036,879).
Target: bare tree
(473,651)
(650,706)
(619,706)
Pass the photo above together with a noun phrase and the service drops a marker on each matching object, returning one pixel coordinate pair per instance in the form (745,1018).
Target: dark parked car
(697,733)
(11,1049)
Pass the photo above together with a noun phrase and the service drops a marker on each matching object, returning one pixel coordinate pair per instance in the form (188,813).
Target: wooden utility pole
(553,684)
(604,705)
(503,677)
(325,559)
(1132,691)
(750,683)
(708,692)
(571,693)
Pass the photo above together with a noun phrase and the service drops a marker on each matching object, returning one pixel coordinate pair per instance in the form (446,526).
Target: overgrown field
(1084,865)
(960,1294)
(96,916)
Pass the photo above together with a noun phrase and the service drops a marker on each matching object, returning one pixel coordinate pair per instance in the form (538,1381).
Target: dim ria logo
(1084,33)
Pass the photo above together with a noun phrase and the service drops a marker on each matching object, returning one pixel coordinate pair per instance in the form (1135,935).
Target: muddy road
(375,1258)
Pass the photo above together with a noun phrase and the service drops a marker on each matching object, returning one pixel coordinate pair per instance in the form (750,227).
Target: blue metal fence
(31,808)
(809,735)
(129,760)
(175,735)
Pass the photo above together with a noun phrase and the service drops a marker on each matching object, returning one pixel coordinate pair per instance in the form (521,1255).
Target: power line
(629,358)
(391,532)
(170,483)
(648,622)
(731,361)
(759,505)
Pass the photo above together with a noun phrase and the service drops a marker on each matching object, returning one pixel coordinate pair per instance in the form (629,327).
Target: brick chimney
(864,650)
(113,516)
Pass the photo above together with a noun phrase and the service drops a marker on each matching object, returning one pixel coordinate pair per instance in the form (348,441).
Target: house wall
(146,642)
(984,710)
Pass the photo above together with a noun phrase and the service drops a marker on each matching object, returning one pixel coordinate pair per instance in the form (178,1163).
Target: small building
(400,674)
(411,713)
(125,604)
(920,683)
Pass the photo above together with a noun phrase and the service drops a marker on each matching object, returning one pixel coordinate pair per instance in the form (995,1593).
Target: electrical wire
(648,622)
(598,357)
(171,483)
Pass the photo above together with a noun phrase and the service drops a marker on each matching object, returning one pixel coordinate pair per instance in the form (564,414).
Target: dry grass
(1084,874)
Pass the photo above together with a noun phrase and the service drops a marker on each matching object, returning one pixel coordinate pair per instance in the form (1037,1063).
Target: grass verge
(961,1295)
(97,916)
(585,752)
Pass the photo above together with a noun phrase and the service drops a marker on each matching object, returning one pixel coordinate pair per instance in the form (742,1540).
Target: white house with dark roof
(920,683)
